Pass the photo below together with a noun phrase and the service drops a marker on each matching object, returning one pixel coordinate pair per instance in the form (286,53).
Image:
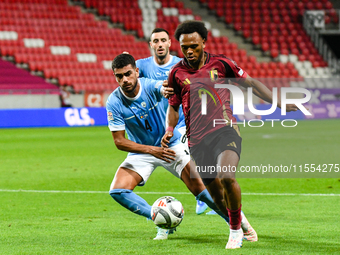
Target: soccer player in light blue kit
(135,107)
(157,67)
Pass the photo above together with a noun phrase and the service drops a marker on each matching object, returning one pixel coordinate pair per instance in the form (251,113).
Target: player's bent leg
(200,206)
(125,179)
(195,184)
(121,191)
(248,231)
(192,180)
(236,236)
(216,191)
(229,159)
(131,201)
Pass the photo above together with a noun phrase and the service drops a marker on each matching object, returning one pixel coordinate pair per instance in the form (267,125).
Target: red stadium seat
(276,25)
(59,24)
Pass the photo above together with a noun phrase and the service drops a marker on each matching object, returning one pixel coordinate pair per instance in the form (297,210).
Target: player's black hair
(123,60)
(191,26)
(158,30)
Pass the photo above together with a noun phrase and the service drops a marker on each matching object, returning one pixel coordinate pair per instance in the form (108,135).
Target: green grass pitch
(85,159)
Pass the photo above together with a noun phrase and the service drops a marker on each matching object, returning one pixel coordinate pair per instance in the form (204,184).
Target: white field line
(165,192)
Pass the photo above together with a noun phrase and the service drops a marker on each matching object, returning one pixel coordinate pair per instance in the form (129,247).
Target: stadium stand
(276,27)
(171,13)
(131,17)
(17,81)
(168,14)
(64,43)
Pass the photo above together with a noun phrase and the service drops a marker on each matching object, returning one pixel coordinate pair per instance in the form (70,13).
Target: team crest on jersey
(213,75)
(143,115)
(109,116)
(143,104)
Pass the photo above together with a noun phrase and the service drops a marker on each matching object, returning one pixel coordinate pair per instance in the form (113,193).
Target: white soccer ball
(167,212)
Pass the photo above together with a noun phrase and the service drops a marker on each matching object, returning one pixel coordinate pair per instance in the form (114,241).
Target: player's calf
(131,201)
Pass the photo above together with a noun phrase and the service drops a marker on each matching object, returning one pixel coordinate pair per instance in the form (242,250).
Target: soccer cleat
(248,231)
(201,207)
(212,212)
(162,234)
(235,240)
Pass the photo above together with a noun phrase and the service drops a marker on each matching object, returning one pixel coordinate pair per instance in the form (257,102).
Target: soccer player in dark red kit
(212,145)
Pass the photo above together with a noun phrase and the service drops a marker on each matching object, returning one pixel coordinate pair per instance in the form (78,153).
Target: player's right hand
(165,154)
(166,138)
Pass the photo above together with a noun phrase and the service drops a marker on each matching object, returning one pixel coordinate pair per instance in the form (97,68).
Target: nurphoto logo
(238,104)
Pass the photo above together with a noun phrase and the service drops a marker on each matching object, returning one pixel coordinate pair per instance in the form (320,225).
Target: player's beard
(162,57)
(196,62)
(131,90)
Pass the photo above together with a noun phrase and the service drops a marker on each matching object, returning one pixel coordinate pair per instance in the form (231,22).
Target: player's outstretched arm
(263,92)
(172,117)
(124,144)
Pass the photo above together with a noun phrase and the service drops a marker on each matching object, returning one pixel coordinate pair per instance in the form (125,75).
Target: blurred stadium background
(51,43)
(47,174)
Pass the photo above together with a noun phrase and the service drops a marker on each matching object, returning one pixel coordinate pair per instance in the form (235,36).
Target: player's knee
(229,176)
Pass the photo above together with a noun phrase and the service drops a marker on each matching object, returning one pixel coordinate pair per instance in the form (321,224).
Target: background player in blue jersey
(157,67)
(135,107)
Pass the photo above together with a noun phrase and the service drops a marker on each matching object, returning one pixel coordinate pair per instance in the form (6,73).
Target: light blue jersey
(142,117)
(150,69)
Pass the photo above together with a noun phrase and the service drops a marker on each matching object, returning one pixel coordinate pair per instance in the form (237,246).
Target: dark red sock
(235,218)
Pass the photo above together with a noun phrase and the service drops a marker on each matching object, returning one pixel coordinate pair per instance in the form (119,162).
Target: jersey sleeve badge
(109,116)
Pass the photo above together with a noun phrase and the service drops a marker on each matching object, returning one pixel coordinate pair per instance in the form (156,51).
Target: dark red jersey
(190,84)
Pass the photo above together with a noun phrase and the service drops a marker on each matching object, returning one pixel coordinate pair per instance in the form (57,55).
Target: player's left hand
(166,138)
(291,108)
(166,91)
